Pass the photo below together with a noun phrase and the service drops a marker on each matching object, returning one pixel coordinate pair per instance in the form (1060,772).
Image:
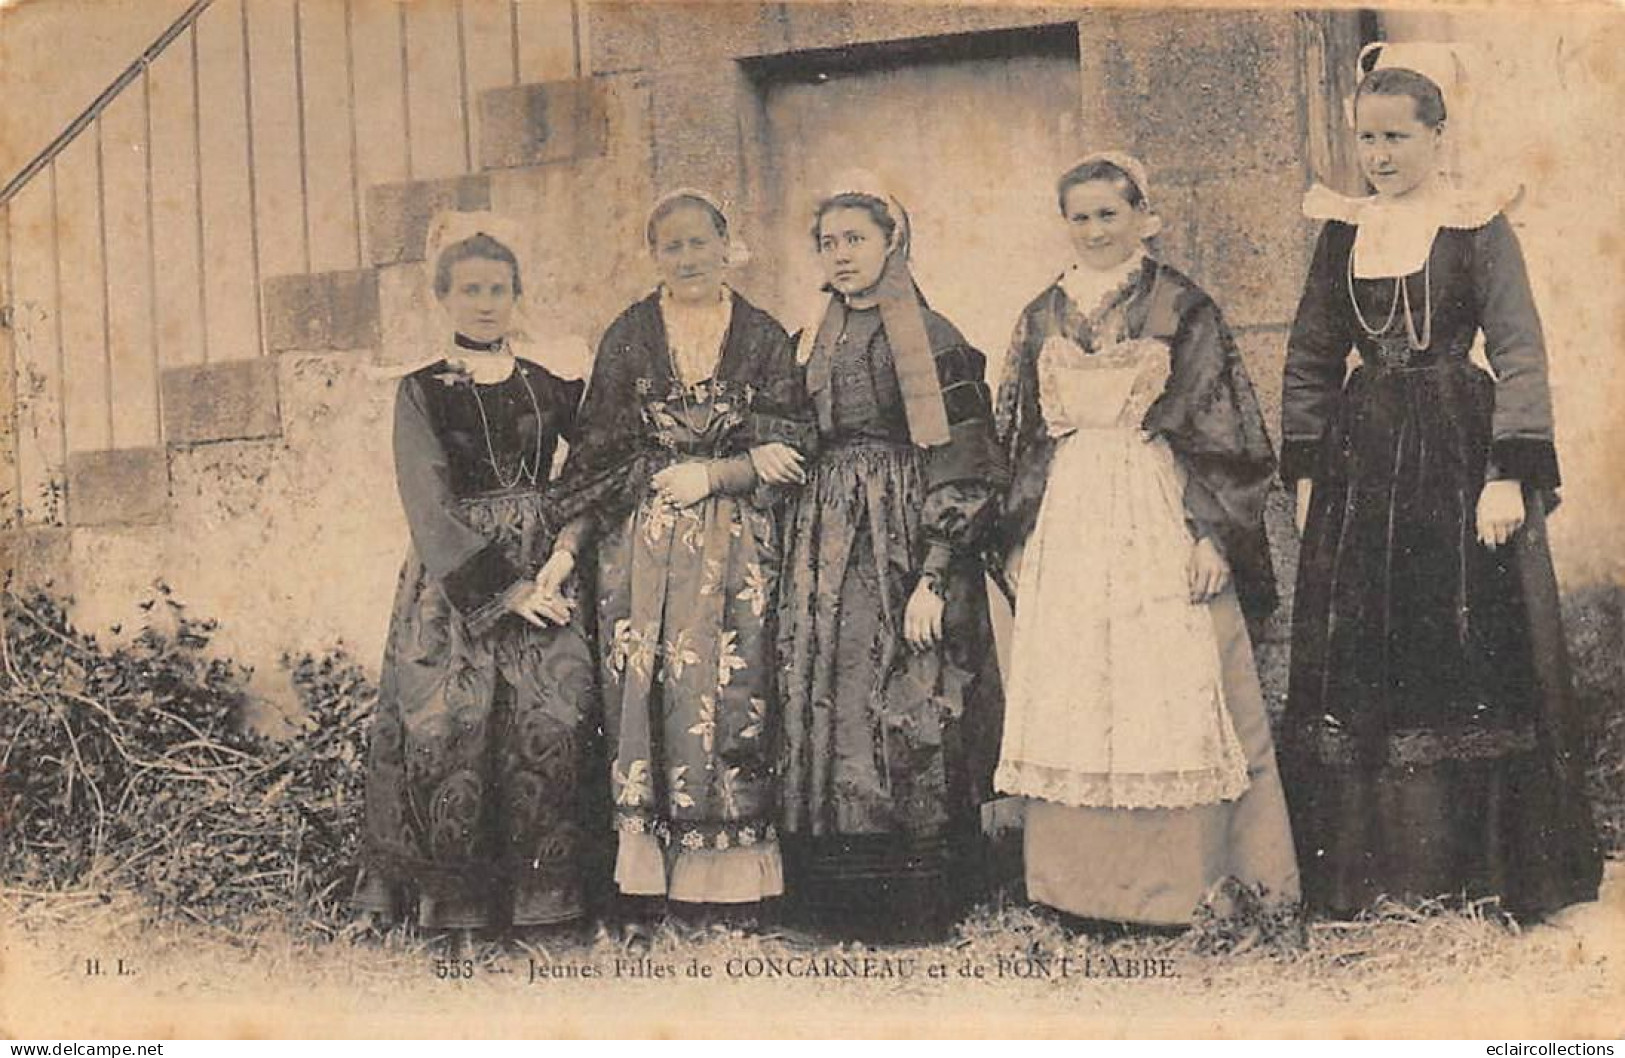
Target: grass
(1403,970)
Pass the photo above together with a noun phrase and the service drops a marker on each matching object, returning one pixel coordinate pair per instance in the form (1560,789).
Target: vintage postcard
(533,518)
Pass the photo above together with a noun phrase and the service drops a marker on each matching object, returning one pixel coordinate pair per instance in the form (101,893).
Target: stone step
(521,127)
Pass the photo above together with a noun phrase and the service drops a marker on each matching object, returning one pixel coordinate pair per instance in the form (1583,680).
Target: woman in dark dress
(1432,745)
(474,769)
(696,409)
(890,681)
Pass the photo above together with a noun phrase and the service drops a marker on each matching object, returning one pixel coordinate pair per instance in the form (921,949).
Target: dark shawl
(618,451)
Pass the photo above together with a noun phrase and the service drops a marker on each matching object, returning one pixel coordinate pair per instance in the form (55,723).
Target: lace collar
(1394,236)
(1090,287)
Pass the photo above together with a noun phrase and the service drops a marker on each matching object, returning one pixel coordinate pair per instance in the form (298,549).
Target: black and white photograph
(811,519)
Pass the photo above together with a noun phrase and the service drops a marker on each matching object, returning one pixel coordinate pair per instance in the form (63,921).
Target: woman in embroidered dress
(696,404)
(474,770)
(1432,745)
(891,691)
(1140,465)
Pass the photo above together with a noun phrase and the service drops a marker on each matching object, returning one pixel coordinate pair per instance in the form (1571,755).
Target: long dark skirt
(888,753)
(476,769)
(1432,746)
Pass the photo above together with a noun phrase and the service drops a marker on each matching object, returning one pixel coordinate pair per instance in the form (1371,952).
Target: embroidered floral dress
(685,595)
(1432,744)
(475,768)
(1132,431)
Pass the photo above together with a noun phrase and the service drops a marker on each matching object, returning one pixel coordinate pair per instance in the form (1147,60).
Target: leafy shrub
(129,765)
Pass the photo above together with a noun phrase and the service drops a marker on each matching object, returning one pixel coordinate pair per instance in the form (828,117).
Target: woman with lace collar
(1140,465)
(1432,745)
(697,410)
(473,815)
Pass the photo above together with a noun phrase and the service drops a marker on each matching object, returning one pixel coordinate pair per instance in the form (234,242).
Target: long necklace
(490,447)
(1402,292)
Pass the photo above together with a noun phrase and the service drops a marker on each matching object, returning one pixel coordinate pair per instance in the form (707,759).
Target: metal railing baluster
(513,35)
(253,184)
(462,90)
(56,310)
(14,515)
(107,287)
(406,86)
(304,153)
(355,146)
(152,262)
(197,168)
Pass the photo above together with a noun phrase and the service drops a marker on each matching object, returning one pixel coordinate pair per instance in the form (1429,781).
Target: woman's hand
(1012,564)
(554,572)
(1500,512)
(922,619)
(539,608)
(778,464)
(683,484)
(1306,490)
(1209,573)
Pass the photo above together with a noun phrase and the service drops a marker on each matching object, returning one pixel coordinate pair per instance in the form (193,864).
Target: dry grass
(1410,970)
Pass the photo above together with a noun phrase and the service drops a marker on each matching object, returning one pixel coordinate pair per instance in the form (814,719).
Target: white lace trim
(1395,236)
(1090,287)
(1186,789)
(1456,208)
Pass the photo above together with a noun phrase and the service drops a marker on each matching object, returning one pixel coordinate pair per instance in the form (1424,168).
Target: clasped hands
(685,484)
(545,603)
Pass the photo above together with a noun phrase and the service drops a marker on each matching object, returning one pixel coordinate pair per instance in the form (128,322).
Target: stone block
(836,25)
(621,36)
(1202,90)
(294,543)
(327,310)
(1263,353)
(1252,244)
(115,571)
(636,36)
(696,128)
(585,257)
(398,215)
(410,321)
(534,124)
(223,401)
(118,486)
(37,557)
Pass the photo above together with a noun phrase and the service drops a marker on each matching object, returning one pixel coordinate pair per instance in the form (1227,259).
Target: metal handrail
(101,102)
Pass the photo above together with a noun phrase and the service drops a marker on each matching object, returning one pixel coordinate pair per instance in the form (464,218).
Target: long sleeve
(1024,444)
(781,412)
(473,571)
(1317,353)
(1210,417)
(1522,448)
(962,477)
(605,440)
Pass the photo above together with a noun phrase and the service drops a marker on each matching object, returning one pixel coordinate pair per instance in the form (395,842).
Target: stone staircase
(271,504)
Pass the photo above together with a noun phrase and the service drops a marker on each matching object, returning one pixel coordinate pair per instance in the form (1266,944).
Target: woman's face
(1398,153)
(480,298)
(853,250)
(690,254)
(1104,227)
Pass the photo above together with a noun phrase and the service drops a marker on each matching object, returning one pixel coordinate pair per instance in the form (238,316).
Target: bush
(129,766)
